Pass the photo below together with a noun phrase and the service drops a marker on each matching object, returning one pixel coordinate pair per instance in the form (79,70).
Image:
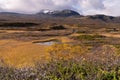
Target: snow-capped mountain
(59,13)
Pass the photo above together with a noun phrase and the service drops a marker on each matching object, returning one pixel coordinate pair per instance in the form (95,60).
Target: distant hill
(104,18)
(11,14)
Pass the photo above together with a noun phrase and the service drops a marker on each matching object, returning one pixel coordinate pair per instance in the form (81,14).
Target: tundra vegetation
(89,48)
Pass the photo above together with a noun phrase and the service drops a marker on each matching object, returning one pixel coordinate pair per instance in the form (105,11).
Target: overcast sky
(86,7)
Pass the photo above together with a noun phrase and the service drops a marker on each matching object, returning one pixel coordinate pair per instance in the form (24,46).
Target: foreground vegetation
(63,70)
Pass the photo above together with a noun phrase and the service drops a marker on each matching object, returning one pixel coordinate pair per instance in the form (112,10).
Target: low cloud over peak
(85,7)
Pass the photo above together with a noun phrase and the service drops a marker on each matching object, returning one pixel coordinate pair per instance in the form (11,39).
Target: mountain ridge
(59,14)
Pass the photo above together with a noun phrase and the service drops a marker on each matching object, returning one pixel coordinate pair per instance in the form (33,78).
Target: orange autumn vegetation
(25,54)
(20,54)
(65,51)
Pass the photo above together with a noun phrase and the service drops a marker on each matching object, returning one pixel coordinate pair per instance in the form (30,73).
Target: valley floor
(20,48)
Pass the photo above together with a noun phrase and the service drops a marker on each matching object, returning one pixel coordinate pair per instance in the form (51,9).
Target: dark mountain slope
(104,18)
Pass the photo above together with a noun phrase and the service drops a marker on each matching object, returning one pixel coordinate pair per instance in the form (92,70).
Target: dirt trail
(110,35)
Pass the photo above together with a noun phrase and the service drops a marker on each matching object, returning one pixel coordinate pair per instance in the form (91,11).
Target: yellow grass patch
(21,54)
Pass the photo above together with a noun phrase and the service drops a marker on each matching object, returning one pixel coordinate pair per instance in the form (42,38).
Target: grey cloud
(86,7)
